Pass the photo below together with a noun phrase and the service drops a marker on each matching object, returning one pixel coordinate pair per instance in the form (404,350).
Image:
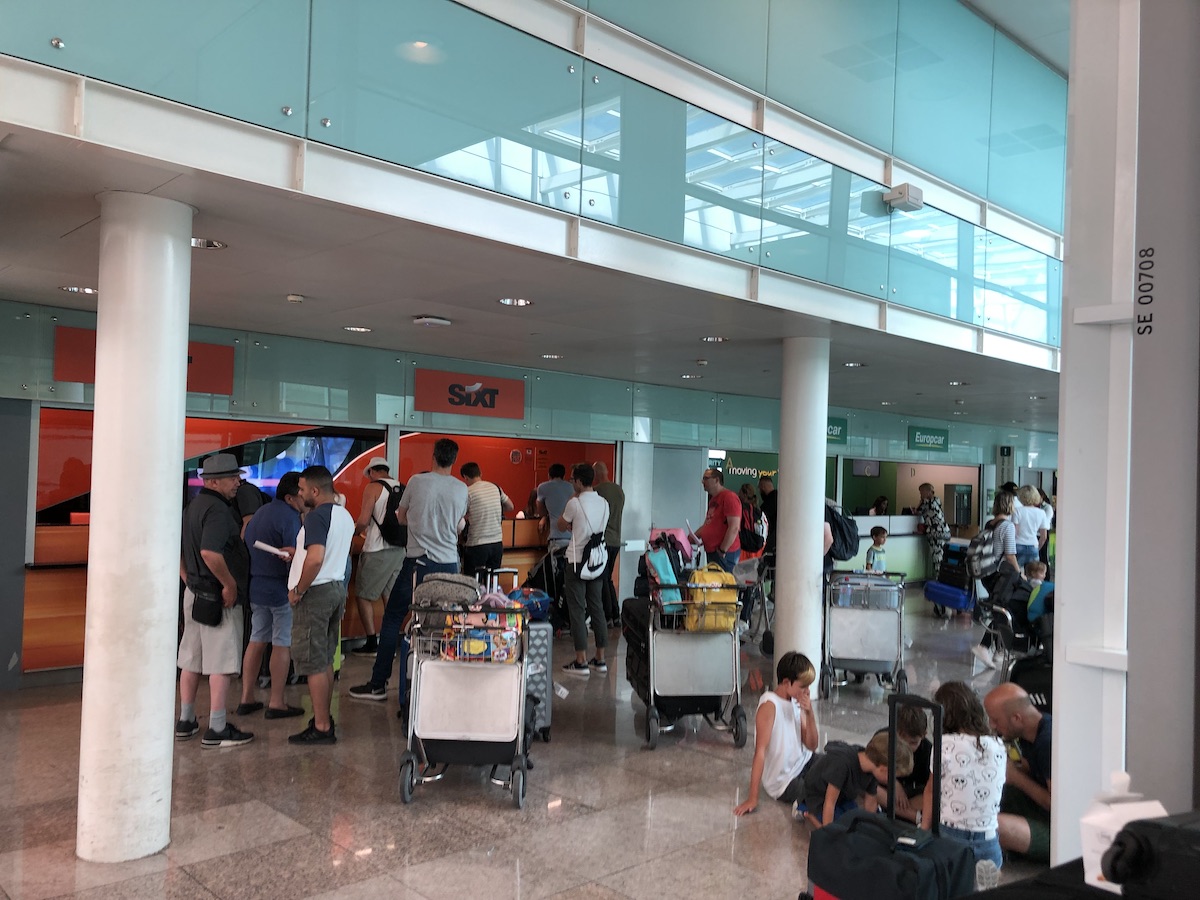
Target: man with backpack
(383,546)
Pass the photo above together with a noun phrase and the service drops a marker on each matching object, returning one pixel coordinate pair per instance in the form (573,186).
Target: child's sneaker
(599,666)
(798,811)
(574,667)
(987,876)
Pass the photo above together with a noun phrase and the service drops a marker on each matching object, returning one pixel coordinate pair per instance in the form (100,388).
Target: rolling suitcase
(948,596)
(539,676)
(864,856)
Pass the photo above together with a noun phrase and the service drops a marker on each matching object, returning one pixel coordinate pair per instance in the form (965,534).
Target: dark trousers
(412,573)
(612,603)
(483,556)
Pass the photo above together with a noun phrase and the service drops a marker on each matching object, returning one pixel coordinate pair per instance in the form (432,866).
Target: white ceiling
(356,267)
(1041,26)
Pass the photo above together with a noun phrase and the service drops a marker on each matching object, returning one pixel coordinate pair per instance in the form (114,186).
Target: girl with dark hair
(974,764)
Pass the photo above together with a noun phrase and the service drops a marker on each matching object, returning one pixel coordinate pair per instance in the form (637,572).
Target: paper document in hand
(282,554)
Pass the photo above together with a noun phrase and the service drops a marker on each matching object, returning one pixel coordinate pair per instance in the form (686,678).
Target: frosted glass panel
(748,423)
(1028,142)
(659,166)
(836,62)
(923,264)
(944,91)
(728,38)
(796,213)
(433,85)
(1021,291)
(674,416)
(247,59)
(863,266)
(600,409)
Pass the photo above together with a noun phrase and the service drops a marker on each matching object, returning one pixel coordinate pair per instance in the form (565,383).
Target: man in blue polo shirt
(317,593)
(276,524)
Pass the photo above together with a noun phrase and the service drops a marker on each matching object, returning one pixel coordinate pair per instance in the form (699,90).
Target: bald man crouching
(1024,820)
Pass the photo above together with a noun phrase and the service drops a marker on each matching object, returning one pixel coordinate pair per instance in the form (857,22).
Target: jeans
(725,560)
(1026,553)
(483,556)
(982,847)
(412,573)
(585,598)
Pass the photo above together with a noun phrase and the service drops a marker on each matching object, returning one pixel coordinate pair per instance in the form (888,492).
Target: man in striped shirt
(486,506)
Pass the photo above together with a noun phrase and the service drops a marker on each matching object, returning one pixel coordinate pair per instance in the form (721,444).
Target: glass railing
(434,86)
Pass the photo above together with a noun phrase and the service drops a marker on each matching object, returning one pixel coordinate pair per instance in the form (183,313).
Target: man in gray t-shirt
(552,497)
(432,507)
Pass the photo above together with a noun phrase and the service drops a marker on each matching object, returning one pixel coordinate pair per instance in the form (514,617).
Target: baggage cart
(694,654)
(467,705)
(864,630)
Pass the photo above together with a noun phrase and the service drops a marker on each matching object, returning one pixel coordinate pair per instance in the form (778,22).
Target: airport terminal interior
(820,240)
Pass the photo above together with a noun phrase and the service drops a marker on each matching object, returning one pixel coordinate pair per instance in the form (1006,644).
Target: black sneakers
(369,691)
(576,668)
(229,736)
(599,666)
(185,730)
(286,713)
(311,736)
(244,709)
(370,648)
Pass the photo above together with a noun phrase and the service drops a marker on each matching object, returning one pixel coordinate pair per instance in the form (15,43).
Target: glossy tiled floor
(605,817)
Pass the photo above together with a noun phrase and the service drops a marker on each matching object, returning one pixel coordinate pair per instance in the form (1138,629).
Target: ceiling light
(431,321)
(704,362)
(958,383)
(1036,397)
(958,401)
(959,413)
(714,339)
(71,289)
(854,365)
(552,356)
(357,329)
(690,377)
(887,403)
(207,244)
(515,301)
(295,298)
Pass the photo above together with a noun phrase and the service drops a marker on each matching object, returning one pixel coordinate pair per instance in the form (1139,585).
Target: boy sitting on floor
(785,734)
(912,725)
(844,774)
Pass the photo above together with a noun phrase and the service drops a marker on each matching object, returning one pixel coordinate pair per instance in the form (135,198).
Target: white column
(126,739)
(803,414)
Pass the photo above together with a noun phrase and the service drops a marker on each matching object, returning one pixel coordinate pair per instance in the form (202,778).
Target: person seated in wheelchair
(1030,600)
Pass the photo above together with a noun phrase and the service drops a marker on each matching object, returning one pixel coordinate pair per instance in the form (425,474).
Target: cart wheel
(939,612)
(826,685)
(408,776)
(860,677)
(739,727)
(544,734)
(518,788)
(902,682)
(651,728)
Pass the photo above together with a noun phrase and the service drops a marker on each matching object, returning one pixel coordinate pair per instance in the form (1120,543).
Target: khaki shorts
(316,623)
(211,650)
(377,573)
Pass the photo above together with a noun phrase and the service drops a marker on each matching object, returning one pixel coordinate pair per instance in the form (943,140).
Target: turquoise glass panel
(600,409)
(1029,136)
(836,62)
(27,352)
(441,88)
(800,228)
(659,166)
(247,59)
(1020,291)
(923,270)
(728,38)
(944,91)
(748,423)
(861,262)
(674,416)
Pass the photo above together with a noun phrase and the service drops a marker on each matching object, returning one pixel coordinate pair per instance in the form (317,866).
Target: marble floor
(605,817)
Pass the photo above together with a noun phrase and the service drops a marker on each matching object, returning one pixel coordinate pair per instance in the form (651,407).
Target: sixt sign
(922,438)
(471,395)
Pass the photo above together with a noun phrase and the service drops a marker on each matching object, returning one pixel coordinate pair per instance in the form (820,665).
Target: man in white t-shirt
(379,562)
(585,514)
(317,594)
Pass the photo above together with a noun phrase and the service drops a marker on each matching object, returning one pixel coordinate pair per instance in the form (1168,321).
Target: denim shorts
(271,624)
(982,846)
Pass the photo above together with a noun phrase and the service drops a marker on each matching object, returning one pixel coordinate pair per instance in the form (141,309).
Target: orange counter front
(52,636)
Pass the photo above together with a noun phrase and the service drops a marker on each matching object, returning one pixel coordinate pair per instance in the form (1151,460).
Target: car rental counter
(907,551)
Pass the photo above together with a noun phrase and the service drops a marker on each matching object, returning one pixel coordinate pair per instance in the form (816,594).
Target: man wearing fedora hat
(380,562)
(214,561)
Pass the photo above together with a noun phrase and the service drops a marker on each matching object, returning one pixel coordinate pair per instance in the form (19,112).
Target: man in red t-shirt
(719,533)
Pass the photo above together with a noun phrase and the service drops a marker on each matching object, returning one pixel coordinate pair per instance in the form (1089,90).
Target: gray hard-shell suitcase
(539,676)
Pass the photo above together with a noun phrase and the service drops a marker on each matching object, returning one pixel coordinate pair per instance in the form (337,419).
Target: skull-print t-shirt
(973,772)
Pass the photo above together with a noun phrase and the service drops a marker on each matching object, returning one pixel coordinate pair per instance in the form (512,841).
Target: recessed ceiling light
(1036,397)
(714,339)
(958,401)
(295,298)
(357,329)
(887,403)
(431,321)
(71,289)
(690,377)
(552,356)
(959,413)
(854,365)
(958,383)
(207,244)
(515,301)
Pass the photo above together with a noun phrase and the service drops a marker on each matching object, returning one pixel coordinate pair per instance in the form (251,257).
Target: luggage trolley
(695,663)
(468,692)
(864,629)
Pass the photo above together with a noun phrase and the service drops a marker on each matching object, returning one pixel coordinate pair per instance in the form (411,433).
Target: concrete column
(126,739)
(803,411)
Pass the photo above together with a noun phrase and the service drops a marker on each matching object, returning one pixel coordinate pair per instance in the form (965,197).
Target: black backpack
(845,534)
(748,536)
(390,528)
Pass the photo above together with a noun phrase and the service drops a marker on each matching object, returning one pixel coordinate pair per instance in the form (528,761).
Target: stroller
(549,574)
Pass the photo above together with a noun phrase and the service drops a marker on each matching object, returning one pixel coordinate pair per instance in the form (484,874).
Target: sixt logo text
(473,395)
